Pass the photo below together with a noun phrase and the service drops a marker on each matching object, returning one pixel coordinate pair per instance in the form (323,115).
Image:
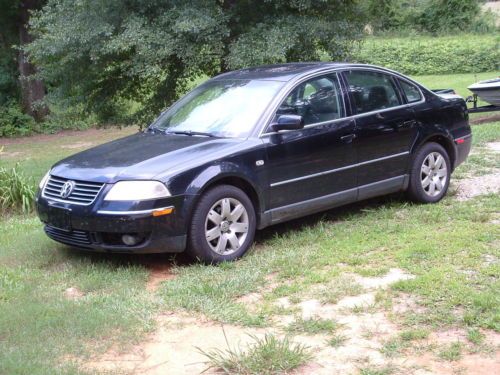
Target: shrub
(438,55)
(17,192)
(13,122)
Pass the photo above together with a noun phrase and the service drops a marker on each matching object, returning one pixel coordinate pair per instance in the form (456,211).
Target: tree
(17,80)
(103,53)
(450,15)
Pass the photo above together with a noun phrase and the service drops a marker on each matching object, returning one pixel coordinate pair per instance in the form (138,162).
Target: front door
(312,168)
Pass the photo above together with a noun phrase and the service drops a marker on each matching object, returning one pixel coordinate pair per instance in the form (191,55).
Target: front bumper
(100,226)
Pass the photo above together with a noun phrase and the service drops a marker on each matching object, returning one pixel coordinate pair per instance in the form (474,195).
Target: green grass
(458,82)
(337,340)
(475,336)
(312,326)
(414,334)
(266,356)
(451,352)
(446,246)
(374,370)
(39,325)
(35,155)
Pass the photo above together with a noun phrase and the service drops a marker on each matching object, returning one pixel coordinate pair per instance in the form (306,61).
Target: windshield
(223,108)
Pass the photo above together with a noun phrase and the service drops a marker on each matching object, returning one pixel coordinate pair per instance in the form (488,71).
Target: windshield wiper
(190,133)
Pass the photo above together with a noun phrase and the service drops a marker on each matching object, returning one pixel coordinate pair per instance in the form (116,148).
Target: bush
(13,122)
(17,192)
(438,55)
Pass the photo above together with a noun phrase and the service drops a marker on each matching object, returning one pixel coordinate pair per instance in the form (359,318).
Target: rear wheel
(430,174)
(223,225)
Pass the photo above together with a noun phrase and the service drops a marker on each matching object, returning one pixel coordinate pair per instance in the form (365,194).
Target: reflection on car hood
(141,156)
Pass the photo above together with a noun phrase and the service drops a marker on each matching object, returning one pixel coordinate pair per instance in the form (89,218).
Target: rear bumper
(463,146)
(97,229)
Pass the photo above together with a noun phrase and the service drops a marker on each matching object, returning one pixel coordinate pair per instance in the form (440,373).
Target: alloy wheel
(226,226)
(434,174)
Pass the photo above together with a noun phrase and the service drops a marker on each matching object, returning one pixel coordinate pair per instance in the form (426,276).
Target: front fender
(230,172)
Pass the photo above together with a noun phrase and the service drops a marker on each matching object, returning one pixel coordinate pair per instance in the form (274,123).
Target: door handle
(407,124)
(348,138)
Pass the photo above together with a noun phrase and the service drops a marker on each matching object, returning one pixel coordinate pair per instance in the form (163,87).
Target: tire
(430,174)
(222,226)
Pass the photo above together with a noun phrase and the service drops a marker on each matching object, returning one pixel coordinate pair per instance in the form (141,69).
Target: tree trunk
(227,6)
(32,90)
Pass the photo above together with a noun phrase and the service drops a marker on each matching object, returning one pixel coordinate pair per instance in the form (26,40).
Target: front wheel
(223,225)
(430,174)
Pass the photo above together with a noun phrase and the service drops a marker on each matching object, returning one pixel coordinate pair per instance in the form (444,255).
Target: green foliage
(437,55)
(17,192)
(426,16)
(266,356)
(104,53)
(9,35)
(453,15)
(13,122)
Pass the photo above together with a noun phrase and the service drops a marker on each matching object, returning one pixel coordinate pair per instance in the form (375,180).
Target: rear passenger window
(316,100)
(412,93)
(372,91)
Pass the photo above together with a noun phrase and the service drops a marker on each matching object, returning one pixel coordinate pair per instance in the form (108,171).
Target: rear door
(312,168)
(385,130)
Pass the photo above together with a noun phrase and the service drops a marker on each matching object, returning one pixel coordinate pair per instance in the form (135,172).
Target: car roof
(286,72)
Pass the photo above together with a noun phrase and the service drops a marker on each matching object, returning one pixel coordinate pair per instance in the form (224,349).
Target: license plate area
(59,218)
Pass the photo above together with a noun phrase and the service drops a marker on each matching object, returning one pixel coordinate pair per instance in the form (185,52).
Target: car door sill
(311,206)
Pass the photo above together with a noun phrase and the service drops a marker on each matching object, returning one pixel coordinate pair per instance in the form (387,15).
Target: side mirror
(288,122)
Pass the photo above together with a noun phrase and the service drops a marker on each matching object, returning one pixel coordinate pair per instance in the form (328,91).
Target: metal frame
(485,108)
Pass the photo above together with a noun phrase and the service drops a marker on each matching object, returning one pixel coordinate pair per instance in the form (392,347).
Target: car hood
(142,156)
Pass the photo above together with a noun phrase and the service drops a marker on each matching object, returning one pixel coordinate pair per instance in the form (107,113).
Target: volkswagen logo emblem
(67,189)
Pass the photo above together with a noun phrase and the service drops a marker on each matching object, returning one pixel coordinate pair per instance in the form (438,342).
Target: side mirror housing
(288,122)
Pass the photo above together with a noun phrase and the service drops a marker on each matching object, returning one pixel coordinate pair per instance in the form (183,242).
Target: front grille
(74,237)
(84,192)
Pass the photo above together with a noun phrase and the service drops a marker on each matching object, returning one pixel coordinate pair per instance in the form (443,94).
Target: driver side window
(316,100)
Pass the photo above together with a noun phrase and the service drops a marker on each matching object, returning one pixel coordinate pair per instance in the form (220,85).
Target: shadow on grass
(166,261)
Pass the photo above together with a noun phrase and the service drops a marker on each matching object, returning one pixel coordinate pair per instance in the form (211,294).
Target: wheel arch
(444,140)
(212,178)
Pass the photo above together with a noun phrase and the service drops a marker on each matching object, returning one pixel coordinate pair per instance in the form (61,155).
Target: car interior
(316,100)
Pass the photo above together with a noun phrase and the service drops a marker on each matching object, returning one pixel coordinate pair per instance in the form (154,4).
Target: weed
(475,336)
(393,347)
(451,352)
(16,190)
(337,340)
(267,355)
(414,334)
(312,326)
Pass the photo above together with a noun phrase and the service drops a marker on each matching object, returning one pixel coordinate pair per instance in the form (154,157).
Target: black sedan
(252,148)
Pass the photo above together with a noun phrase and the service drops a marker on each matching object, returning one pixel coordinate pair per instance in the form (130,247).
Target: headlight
(44,180)
(137,191)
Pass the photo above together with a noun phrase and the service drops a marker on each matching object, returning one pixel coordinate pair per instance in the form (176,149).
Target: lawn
(58,305)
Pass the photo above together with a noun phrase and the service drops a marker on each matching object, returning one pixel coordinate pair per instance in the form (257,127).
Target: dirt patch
(494,146)
(404,303)
(383,282)
(77,145)
(485,119)
(472,187)
(43,138)
(158,273)
(73,293)
(172,349)
(12,154)
(469,364)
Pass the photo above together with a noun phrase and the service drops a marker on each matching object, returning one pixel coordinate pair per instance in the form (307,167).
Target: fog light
(130,239)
